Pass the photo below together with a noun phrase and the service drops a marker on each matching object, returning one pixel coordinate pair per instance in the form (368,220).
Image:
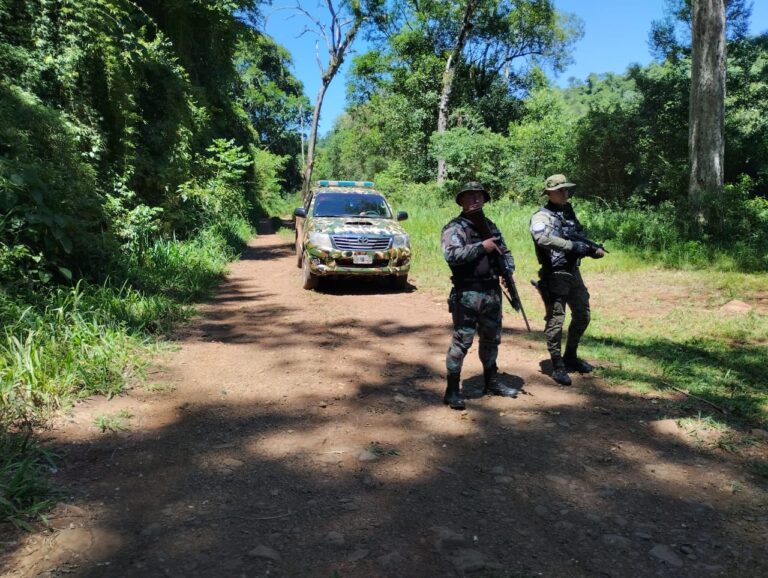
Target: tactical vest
(564,224)
(478,274)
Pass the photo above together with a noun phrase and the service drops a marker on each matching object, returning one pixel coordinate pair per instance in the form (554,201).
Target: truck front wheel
(311,281)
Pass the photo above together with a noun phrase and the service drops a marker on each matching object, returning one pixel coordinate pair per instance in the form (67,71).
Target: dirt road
(304,436)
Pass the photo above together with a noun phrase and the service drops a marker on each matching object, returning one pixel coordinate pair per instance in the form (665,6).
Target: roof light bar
(364,184)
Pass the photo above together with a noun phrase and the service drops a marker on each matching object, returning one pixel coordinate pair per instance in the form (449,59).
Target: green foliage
(649,230)
(49,198)
(746,120)
(736,237)
(89,339)
(269,192)
(478,155)
(274,102)
(136,138)
(187,270)
(113,422)
(396,87)
(353,150)
(25,492)
(215,195)
(541,143)
(66,349)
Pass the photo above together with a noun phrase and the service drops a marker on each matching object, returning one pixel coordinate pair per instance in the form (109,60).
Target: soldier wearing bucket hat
(560,246)
(475,300)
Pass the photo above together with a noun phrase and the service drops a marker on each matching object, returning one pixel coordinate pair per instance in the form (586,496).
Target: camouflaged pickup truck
(346,228)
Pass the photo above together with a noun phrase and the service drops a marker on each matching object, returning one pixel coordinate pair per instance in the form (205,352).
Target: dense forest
(139,140)
(623,138)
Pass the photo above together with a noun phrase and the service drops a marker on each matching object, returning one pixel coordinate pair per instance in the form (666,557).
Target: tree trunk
(448,76)
(310,162)
(338,49)
(706,140)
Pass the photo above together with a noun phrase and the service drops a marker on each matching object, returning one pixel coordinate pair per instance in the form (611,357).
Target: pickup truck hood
(356,226)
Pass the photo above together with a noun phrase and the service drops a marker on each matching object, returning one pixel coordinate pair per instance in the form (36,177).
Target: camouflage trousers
(559,289)
(475,312)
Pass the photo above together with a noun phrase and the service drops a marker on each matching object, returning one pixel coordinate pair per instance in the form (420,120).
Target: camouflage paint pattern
(324,261)
(390,262)
(475,312)
(559,289)
(462,243)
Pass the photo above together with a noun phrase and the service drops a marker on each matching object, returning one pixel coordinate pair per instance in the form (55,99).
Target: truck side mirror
(402,215)
(300,212)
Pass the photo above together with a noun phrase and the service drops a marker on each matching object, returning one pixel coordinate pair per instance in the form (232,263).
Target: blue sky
(615,36)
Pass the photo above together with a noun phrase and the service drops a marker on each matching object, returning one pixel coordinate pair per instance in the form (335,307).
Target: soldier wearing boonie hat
(475,300)
(560,281)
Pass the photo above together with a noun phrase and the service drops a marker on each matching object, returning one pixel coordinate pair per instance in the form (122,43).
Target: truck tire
(311,281)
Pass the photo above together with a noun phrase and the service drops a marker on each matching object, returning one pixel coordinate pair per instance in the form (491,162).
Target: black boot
(573,364)
(493,387)
(453,397)
(559,374)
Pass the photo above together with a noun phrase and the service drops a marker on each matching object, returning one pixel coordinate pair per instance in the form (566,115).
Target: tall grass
(186,270)
(426,221)
(90,339)
(25,491)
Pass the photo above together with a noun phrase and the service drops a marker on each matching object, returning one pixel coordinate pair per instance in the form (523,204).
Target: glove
(580,249)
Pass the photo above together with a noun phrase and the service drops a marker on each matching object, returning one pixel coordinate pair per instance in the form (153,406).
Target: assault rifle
(574,236)
(478,220)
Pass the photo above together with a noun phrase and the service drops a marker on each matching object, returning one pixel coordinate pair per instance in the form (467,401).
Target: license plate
(362,259)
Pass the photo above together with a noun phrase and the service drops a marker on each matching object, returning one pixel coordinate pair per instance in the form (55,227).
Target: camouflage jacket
(463,250)
(550,228)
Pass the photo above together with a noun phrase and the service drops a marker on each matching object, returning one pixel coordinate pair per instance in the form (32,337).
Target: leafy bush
(734,238)
(268,196)
(49,195)
(541,144)
(648,229)
(478,155)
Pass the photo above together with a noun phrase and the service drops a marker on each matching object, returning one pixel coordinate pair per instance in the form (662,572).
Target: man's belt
(474,284)
(568,268)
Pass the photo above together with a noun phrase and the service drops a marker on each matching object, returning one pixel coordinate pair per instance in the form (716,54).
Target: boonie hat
(556,182)
(473,186)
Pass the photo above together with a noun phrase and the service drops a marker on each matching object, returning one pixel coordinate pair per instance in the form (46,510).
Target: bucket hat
(473,186)
(556,182)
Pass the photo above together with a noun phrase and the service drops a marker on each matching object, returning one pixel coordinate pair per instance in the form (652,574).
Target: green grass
(717,357)
(189,270)
(425,223)
(25,491)
(90,339)
(652,328)
(113,422)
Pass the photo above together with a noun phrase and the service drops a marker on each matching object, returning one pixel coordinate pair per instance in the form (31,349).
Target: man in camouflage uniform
(554,228)
(475,300)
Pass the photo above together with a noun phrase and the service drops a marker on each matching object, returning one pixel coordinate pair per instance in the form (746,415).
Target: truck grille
(361,243)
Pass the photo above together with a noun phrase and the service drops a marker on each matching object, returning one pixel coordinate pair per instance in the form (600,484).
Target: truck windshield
(350,205)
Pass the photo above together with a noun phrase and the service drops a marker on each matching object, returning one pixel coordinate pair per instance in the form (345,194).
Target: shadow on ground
(384,481)
(547,494)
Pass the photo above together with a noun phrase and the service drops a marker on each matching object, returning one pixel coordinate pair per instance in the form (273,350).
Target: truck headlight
(400,241)
(321,240)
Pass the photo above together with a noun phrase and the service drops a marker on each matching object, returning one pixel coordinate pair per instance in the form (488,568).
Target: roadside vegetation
(135,158)
(133,162)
